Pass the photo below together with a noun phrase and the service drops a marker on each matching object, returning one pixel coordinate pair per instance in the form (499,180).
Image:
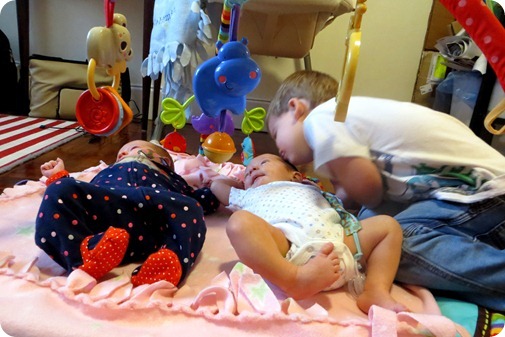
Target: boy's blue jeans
(454,249)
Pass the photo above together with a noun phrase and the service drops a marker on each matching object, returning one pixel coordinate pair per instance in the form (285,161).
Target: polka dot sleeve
(204,196)
(207,199)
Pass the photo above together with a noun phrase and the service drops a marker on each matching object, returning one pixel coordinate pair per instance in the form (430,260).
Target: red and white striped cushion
(23,138)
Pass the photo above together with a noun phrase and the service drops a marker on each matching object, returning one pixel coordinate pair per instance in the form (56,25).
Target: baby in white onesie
(305,217)
(289,233)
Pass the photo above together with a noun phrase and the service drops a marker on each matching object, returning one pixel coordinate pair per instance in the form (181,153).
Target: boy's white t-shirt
(421,153)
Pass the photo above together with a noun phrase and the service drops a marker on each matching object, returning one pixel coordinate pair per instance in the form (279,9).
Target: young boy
(136,210)
(287,231)
(444,185)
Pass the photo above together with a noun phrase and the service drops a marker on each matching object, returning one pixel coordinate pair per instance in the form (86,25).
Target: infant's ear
(297,176)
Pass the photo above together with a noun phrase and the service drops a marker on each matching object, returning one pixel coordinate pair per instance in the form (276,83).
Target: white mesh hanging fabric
(180,31)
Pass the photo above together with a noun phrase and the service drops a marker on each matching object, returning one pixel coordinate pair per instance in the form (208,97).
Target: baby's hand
(205,180)
(52,167)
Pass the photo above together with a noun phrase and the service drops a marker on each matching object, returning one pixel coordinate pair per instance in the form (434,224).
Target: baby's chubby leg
(381,240)
(263,248)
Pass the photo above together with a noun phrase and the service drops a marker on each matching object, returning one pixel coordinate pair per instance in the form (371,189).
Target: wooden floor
(87,151)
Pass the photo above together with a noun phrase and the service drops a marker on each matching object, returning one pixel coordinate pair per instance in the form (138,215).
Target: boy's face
(287,132)
(267,168)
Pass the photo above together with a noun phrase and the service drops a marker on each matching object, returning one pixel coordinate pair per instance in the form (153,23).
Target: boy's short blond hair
(314,86)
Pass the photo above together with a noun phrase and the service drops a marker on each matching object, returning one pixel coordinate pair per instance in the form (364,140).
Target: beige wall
(392,42)
(393,35)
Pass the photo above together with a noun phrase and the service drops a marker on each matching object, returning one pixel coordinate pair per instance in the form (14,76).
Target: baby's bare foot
(380,298)
(316,275)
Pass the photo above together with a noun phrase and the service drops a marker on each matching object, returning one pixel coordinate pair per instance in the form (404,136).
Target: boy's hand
(358,180)
(349,204)
(52,167)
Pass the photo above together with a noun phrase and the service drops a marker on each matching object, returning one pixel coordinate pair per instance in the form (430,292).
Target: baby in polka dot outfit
(136,210)
(288,232)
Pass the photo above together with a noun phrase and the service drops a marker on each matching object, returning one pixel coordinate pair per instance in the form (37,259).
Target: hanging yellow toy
(102,111)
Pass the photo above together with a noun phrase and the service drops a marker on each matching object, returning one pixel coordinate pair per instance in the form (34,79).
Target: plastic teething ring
(100,116)
(121,113)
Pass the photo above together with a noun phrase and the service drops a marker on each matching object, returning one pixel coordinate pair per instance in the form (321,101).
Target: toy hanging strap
(235,14)
(224,28)
(109,12)
(229,21)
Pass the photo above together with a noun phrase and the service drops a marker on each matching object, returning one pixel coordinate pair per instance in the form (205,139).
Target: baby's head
(150,150)
(267,168)
(313,86)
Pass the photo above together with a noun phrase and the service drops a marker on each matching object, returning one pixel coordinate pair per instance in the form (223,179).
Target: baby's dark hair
(289,165)
(314,86)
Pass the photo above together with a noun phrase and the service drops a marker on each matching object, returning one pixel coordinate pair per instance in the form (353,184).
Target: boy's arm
(222,187)
(357,180)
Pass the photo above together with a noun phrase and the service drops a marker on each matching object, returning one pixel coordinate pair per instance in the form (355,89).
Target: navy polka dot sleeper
(156,210)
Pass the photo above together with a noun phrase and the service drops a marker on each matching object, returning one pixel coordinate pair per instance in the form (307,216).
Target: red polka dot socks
(109,250)
(107,254)
(162,265)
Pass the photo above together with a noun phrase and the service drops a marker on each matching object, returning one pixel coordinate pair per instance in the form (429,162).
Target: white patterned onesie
(305,217)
